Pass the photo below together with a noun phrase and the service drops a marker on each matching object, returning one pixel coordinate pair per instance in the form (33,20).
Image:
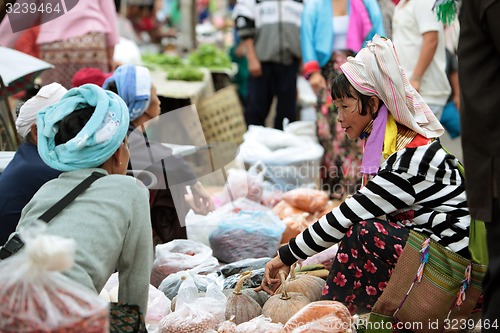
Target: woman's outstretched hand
(271,280)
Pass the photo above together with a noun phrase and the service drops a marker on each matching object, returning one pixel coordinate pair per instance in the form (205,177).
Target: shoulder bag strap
(15,243)
(68,198)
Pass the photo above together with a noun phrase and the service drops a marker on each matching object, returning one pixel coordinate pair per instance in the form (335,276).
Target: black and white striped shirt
(420,188)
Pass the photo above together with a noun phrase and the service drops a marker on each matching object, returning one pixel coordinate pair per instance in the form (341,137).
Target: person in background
(478,55)
(86,132)
(143,16)
(417,187)
(387,9)
(450,119)
(26,173)
(144,105)
(271,43)
(89,75)
(84,36)
(326,42)
(241,77)
(419,40)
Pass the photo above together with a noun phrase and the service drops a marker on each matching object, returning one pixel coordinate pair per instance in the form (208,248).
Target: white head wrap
(48,95)
(376,71)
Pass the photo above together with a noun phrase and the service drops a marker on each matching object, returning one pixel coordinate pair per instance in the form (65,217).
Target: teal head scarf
(99,138)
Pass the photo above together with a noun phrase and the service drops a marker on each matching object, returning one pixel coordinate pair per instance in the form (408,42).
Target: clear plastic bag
(262,232)
(199,227)
(214,300)
(195,313)
(171,284)
(260,324)
(307,199)
(321,317)
(245,184)
(180,255)
(243,265)
(36,297)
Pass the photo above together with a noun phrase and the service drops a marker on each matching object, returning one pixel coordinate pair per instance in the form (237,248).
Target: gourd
(308,285)
(282,307)
(260,296)
(241,306)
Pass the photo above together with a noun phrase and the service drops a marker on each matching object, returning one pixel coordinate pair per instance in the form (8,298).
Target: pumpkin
(282,307)
(308,285)
(241,307)
(260,296)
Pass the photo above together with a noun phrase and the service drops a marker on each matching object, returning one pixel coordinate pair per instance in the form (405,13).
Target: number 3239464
(467,324)
(31,8)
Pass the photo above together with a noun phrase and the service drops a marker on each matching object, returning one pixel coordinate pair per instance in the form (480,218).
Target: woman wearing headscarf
(133,83)
(26,172)
(417,186)
(85,132)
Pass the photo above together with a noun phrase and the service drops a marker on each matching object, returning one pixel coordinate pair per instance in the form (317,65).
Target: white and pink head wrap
(376,71)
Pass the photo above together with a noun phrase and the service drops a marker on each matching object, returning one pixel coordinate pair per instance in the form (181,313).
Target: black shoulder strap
(68,198)
(15,243)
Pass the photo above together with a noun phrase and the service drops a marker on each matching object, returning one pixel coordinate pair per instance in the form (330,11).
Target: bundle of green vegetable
(210,56)
(185,74)
(162,59)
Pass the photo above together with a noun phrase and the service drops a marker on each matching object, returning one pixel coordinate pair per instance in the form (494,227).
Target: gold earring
(121,163)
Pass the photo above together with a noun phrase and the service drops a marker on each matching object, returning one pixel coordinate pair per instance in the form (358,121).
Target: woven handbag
(126,318)
(431,289)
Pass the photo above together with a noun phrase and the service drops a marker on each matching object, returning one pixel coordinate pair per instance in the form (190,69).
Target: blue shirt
(20,180)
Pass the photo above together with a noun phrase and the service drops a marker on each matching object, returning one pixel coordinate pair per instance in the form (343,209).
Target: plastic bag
(245,184)
(214,300)
(321,317)
(171,284)
(291,161)
(325,257)
(259,324)
(243,265)
(180,255)
(36,297)
(262,232)
(187,318)
(158,306)
(199,227)
(253,281)
(227,327)
(194,313)
(307,199)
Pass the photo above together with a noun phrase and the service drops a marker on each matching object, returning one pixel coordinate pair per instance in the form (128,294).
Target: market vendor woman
(418,185)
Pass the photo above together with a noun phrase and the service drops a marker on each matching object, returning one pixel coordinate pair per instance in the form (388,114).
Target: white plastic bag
(171,284)
(199,227)
(36,297)
(188,318)
(244,184)
(291,161)
(158,303)
(180,255)
(259,324)
(214,300)
(194,313)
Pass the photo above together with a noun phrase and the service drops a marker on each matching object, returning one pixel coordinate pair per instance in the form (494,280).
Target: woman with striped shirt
(418,185)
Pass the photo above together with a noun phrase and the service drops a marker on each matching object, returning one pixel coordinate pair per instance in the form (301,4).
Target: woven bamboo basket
(221,116)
